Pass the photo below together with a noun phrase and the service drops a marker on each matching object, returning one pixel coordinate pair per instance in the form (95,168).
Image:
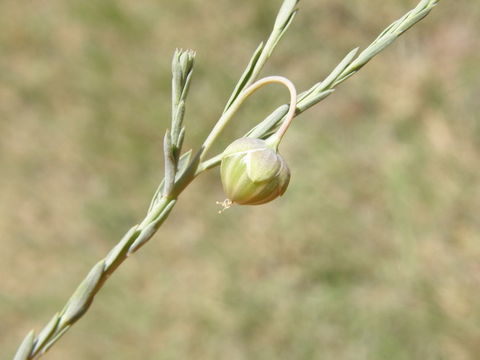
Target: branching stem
(34,346)
(244,95)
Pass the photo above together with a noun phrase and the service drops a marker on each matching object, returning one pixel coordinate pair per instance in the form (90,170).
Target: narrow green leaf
(366,55)
(246,76)
(393,27)
(186,86)
(150,229)
(182,166)
(156,196)
(268,123)
(54,339)
(120,249)
(46,333)
(182,70)
(183,163)
(169,164)
(421,5)
(177,121)
(344,77)
(390,28)
(325,84)
(179,144)
(176,77)
(282,32)
(314,99)
(25,349)
(188,174)
(83,296)
(412,21)
(284,15)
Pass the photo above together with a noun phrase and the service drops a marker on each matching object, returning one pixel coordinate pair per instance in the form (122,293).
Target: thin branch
(188,168)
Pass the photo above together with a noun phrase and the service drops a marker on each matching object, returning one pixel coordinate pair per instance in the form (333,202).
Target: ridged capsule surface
(253,173)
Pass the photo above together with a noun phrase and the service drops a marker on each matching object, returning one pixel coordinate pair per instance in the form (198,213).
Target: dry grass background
(374,252)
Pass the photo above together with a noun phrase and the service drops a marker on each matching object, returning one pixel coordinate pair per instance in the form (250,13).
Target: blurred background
(373,252)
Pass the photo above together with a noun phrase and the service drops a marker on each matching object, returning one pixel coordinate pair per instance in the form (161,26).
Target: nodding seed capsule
(253,172)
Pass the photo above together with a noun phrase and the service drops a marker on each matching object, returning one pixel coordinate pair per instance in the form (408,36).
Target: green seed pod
(252,172)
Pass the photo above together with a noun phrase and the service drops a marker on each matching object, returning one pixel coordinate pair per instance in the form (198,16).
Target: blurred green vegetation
(374,251)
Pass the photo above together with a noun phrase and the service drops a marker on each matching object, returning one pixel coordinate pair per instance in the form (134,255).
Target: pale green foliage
(180,170)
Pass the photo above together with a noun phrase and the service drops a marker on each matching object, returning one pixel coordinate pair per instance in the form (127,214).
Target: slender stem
(85,293)
(227,116)
(275,139)
(264,51)
(34,346)
(347,67)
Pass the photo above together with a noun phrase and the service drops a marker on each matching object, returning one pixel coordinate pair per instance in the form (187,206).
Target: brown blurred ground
(373,253)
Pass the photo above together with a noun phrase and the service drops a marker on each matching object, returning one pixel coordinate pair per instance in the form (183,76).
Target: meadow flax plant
(181,169)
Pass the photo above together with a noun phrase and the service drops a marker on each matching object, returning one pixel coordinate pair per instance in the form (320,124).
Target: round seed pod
(253,173)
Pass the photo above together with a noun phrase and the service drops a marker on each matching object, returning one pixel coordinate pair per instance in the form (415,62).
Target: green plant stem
(244,95)
(276,138)
(34,346)
(83,297)
(347,67)
(284,18)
